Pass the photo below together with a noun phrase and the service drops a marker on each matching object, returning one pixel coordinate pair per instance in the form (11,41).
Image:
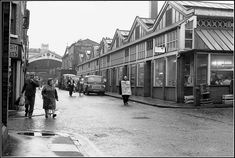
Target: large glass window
(137,32)
(120,73)
(202,62)
(160,42)
(171,41)
(169,17)
(189,34)
(221,69)
(133,72)
(133,53)
(150,44)
(141,49)
(140,74)
(159,72)
(188,70)
(171,71)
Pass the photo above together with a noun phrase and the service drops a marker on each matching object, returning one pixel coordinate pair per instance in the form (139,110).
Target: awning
(216,39)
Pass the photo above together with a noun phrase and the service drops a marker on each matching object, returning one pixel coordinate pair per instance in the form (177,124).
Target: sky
(61,23)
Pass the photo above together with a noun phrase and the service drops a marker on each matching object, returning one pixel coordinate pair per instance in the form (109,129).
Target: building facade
(45,64)
(14,50)
(188,44)
(78,52)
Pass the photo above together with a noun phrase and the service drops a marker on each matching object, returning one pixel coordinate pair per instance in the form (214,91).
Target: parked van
(94,84)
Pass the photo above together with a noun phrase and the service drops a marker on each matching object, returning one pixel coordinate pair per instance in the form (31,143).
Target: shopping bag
(22,100)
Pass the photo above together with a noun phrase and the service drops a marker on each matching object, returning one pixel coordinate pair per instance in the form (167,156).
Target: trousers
(125,98)
(29,104)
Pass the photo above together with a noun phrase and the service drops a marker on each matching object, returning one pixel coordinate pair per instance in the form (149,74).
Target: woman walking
(49,95)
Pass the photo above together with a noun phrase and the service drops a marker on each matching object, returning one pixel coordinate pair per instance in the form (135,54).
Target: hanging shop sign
(14,51)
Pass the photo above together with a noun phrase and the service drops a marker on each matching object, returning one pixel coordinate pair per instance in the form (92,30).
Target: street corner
(86,147)
(41,143)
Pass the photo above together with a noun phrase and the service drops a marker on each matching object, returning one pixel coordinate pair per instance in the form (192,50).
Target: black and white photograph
(117,78)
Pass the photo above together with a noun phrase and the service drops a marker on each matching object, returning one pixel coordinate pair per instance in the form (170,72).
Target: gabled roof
(187,8)
(203,4)
(145,23)
(148,22)
(108,41)
(122,34)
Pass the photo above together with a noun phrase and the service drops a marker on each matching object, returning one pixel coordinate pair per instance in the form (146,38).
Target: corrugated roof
(201,4)
(217,39)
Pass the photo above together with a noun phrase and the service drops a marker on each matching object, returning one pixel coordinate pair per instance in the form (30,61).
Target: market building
(188,43)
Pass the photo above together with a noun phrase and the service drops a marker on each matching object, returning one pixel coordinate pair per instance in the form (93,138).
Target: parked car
(94,84)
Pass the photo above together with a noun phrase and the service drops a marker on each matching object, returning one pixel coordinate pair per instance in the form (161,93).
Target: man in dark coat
(30,90)
(70,84)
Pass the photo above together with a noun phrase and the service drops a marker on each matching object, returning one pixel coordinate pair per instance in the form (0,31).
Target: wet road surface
(136,129)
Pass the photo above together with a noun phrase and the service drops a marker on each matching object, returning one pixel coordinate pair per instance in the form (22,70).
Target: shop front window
(188,71)
(171,71)
(202,68)
(221,69)
(133,71)
(159,72)
(140,74)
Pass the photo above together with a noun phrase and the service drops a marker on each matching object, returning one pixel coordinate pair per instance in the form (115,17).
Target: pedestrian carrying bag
(22,100)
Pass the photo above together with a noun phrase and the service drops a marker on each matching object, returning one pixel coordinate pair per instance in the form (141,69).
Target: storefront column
(195,86)
(164,79)
(152,78)
(180,79)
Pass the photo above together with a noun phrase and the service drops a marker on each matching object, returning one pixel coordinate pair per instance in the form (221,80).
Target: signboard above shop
(160,50)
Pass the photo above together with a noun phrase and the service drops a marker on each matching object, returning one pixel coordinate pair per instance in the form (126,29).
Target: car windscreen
(94,79)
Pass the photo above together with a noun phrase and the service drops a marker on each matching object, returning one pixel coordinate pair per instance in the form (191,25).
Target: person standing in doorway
(30,89)
(49,96)
(125,89)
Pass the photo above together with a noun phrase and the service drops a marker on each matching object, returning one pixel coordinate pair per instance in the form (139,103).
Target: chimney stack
(153,11)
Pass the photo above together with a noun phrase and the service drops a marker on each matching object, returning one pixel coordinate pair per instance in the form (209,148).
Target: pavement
(167,104)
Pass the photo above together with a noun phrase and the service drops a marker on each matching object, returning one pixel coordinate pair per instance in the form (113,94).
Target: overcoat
(49,95)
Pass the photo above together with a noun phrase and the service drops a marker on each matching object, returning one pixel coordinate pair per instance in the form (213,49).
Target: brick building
(14,50)
(187,44)
(80,51)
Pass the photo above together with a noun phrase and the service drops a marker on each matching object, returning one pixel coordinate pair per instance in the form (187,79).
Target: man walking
(125,89)
(30,89)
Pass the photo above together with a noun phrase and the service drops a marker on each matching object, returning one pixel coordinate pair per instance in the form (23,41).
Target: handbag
(22,100)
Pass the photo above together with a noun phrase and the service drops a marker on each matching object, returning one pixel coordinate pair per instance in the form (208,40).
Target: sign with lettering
(160,50)
(13,51)
(126,87)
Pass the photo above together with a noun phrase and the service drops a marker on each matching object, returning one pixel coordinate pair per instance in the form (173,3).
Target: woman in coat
(49,95)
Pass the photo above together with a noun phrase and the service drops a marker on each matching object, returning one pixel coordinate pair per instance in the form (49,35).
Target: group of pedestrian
(49,95)
(79,85)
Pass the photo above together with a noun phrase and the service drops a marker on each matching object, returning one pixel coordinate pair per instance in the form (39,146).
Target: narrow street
(136,129)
